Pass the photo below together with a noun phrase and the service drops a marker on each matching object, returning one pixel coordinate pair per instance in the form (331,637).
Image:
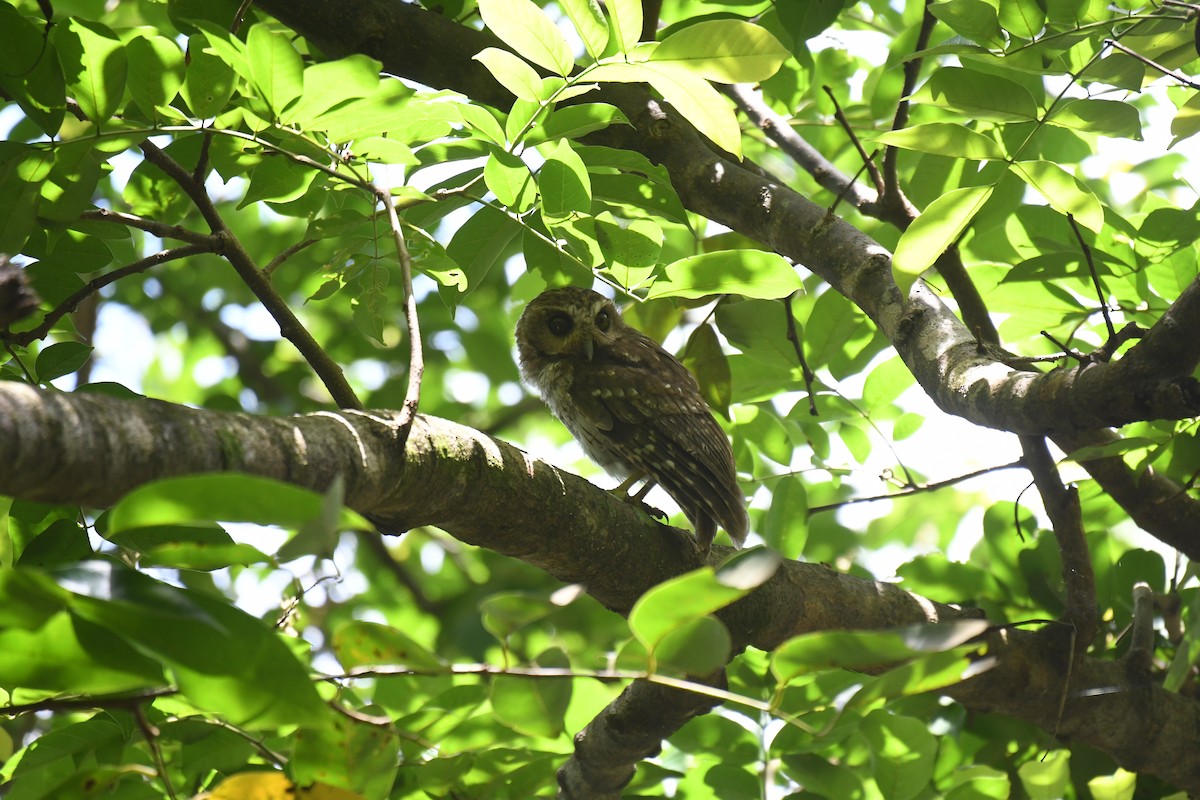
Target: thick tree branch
(1062,506)
(941,352)
(91,449)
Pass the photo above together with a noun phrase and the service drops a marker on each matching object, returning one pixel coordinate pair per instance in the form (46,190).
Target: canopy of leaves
(200,194)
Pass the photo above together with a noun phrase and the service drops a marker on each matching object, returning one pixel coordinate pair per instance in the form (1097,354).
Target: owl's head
(566,323)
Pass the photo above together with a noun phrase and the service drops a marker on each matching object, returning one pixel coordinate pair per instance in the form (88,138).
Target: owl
(634,408)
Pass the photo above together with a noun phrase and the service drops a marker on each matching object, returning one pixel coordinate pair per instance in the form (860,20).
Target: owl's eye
(560,324)
(603,321)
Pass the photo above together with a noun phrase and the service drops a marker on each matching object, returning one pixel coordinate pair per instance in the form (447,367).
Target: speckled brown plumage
(634,408)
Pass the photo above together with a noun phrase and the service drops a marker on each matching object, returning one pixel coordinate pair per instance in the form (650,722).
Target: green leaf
(707,361)
(61,359)
(676,602)
(626,20)
(70,654)
(932,233)
(527,29)
(509,179)
(63,542)
(973,19)
(575,121)
(193,547)
(1187,652)
(30,72)
(1046,778)
(534,706)
(979,95)
(1103,117)
(330,83)
(902,754)
(1023,18)
(479,243)
(699,646)
(22,170)
(1186,122)
(222,497)
(343,759)
(156,71)
(275,67)
(1118,786)
(692,96)
(812,652)
(278,179)
(94,67)
(922,674)
(224,660)
(505,613)
(785,526)
(564,183)
(512,73)
(750,273)
(382,150)
(590,24)
(1065,193)
(29,598)
(209,82)
(945,139)
(631,251)
(359,644)
(723,50)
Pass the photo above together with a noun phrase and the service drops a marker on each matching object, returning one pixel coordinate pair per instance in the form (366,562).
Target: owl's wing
(650,408)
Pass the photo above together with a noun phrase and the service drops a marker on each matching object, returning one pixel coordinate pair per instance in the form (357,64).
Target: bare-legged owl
(634,408)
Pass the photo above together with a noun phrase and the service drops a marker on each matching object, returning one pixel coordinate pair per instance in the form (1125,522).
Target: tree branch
(96,284)
(942,353)
(485,492)
(1062,506)
(257,281)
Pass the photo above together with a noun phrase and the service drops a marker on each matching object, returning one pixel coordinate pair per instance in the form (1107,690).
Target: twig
(151,734)
(1062,506)
(95,284)
(918,489)
(1105,353)
(159,229)
(891,193)
(416,362)
(240,16)
(876,176)
(1170,73)
(1066,351)
(231,247)
(793,336)
(1141,643)
(1087,255)
(274,263)
(96,701)
(777,129)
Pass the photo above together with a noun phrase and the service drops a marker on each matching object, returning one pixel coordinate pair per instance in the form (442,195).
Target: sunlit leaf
(932,233)
(512,72)
(725,50)
(1065,193)
(525,27)
(943,138)
(589,22)
(222,497)
(750,273)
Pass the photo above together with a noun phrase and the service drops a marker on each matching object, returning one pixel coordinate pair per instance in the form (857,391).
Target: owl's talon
(636,501)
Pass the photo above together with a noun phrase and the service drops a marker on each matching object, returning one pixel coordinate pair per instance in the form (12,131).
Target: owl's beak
(589,347)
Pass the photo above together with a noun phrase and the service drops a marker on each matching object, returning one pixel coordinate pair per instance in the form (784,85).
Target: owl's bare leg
(638,499)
